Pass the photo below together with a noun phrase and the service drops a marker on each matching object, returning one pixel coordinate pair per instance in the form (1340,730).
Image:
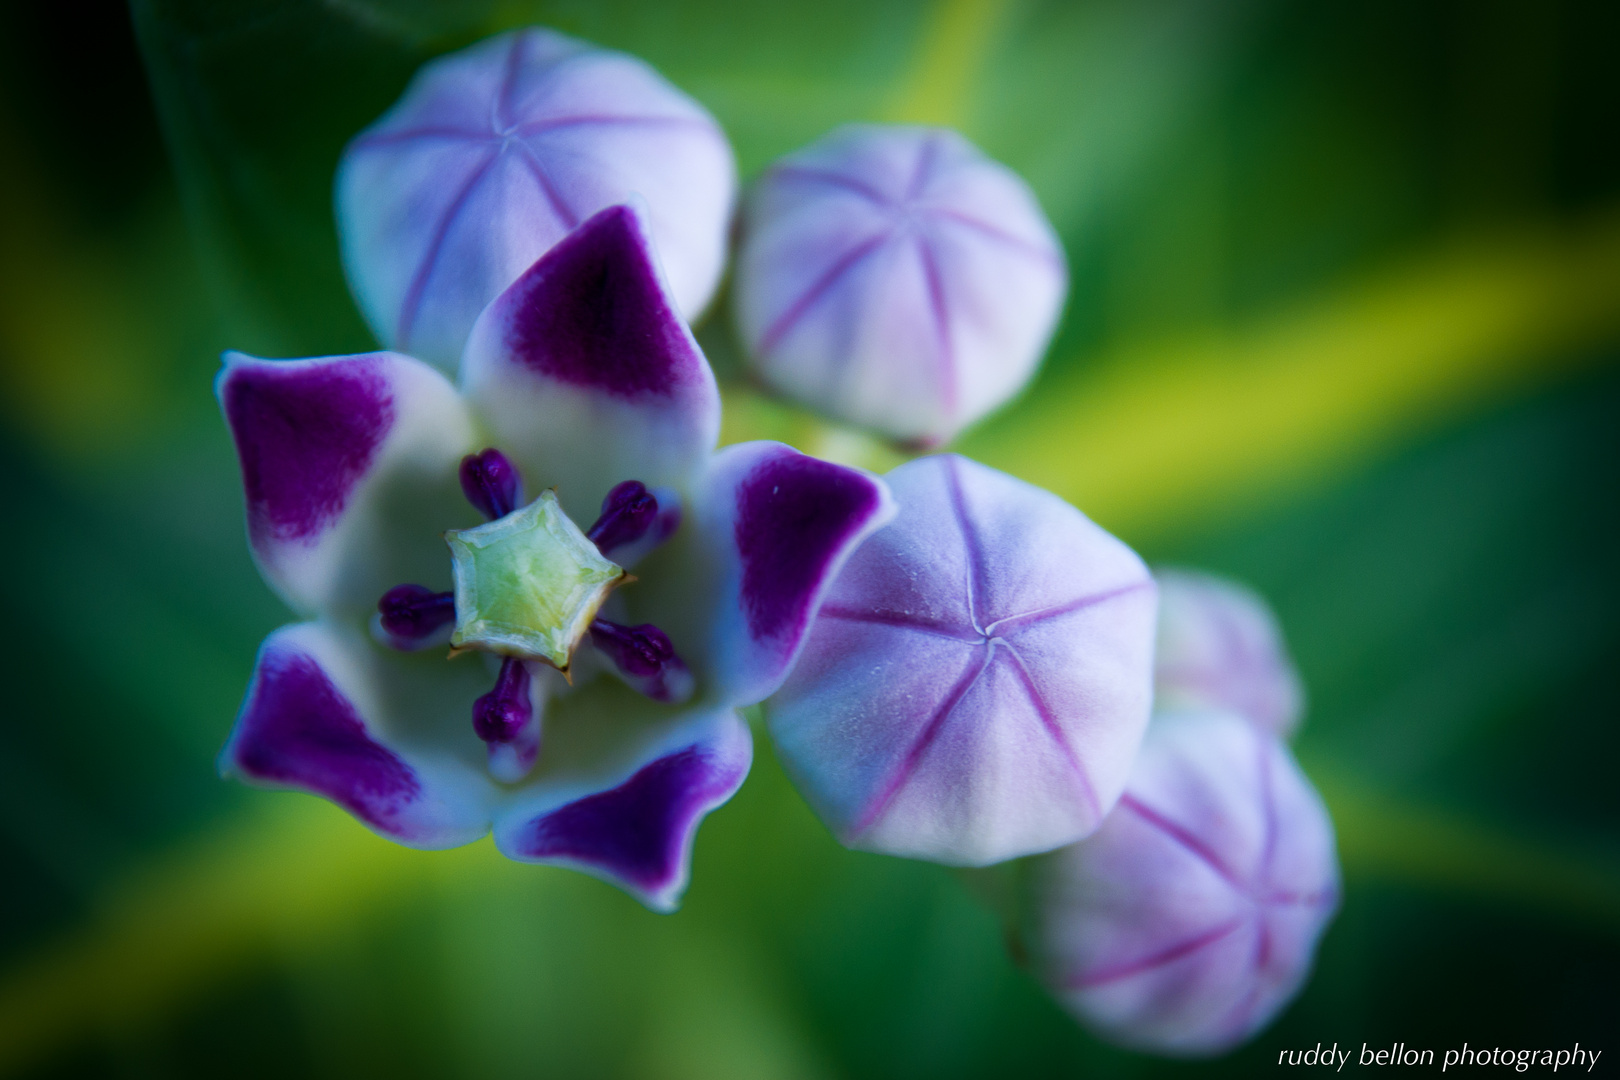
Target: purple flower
(1220,648)
(582,385)
(896,278)
(976,685)
(494,154)
(1189,919)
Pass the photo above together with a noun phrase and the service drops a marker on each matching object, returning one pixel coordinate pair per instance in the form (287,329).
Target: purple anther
(627,513)
(637,650)
(645,658)
(491,483)
(414,612)
(500,715)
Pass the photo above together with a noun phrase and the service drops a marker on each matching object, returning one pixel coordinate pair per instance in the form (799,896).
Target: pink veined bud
(1189,920)
(897,279)
(494,154)
(1220,647)
(978,679)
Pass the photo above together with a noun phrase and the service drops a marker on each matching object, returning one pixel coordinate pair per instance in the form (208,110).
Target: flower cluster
(1189,919)
(536,594)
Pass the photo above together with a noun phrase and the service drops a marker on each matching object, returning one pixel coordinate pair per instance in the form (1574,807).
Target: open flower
(898,279)
(495,153)
(977,683)
(1190,918)
(583,436)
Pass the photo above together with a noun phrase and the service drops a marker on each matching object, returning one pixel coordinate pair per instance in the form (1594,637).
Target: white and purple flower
(494,154)
(1188,921)
(976,685)
(898,279)
(580,377)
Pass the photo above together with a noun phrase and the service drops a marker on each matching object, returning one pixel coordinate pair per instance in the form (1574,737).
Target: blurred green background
(1345,324)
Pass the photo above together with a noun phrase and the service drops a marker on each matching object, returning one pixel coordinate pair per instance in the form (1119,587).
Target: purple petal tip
(795,516)
(592,312)
(297,729)
(640,833)
(306,432)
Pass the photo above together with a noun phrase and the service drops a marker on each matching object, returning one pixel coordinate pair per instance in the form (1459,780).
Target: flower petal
(978,680)
(1189,920)
(318,718)
(736,589)
(349,470)
(587,374)
(622,787)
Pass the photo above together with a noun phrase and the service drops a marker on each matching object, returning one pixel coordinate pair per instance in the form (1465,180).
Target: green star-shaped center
(528,584)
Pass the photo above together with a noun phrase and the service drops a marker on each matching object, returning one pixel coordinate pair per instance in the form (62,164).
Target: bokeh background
(1345,324)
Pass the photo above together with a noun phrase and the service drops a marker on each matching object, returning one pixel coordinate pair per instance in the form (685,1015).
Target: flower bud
(976,683)
(1220,648)
(494,154)
(897,278)
(1188,921)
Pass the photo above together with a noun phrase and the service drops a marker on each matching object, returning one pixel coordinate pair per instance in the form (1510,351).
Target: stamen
(627,513)
(505,719)
(500,715)
(645,658)
(414,612)
(491,483)
(638,650)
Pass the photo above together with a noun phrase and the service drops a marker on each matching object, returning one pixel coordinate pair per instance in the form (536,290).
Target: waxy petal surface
(769,530)
(587,374)
(318,718)
(896,278)
(1220,648)
(349,470)
(619,789)
(623,789)
(978,679)
(494,153)
(1190,918)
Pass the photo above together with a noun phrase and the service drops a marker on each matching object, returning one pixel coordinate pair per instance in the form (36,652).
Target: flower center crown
(529,586)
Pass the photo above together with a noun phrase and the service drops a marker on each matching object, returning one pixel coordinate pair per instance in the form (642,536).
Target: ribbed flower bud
(977,681)
(1188,921)
(898,279)
(1220,647)
(494,154)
